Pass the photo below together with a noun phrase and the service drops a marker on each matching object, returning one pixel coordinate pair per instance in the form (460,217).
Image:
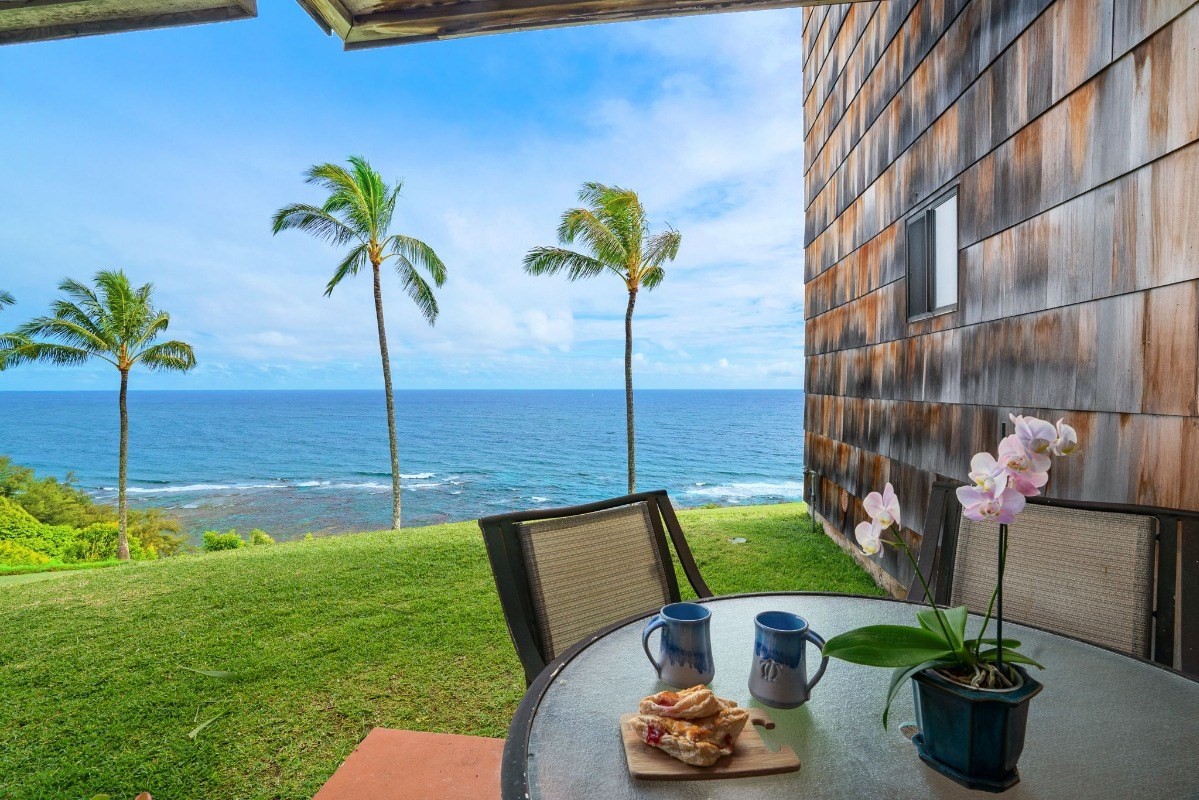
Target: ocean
(294,462)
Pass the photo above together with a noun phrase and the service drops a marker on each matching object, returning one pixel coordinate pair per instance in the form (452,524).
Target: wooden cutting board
(750,756)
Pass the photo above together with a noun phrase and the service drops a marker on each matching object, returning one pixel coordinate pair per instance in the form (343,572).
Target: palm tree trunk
(122,473)
(628,386)
(391,406)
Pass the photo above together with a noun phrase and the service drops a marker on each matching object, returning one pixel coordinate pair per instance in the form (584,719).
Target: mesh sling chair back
(562,573)
(1099,572)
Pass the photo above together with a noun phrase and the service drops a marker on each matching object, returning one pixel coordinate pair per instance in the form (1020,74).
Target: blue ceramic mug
(779,675)
(685,652)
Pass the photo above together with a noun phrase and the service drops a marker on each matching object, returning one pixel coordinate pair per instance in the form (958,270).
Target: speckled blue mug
(685,652)
(779,674)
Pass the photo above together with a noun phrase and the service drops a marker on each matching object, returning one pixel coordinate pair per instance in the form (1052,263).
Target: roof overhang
(35,20)
(375,23)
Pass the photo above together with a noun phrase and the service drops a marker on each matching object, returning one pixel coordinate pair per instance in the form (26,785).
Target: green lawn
(326,638)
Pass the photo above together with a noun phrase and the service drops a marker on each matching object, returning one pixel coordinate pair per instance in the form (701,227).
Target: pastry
(693,703)
(698,742)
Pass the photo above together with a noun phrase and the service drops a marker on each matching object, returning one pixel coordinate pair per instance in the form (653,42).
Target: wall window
(933,257)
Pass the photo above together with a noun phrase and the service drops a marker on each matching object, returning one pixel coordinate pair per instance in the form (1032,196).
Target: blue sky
(165,153)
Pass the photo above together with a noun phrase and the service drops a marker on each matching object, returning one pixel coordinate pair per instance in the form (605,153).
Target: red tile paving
(407,765)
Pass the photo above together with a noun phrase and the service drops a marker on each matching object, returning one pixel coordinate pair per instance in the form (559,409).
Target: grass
(325,639)
(7,571)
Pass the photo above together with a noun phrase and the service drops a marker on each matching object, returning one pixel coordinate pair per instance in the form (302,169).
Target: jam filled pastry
(699,742)
(693,703)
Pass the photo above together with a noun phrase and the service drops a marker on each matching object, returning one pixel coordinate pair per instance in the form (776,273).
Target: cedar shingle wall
(1071,128)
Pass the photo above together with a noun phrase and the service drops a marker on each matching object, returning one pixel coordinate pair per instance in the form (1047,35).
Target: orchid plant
(997,493)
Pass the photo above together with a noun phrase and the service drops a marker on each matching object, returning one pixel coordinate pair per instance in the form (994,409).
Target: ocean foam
(736,492)
(199,487)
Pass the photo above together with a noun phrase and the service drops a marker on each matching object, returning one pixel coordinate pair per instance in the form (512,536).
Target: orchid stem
(986,621)
(928,594)
(999,596)
(995,595)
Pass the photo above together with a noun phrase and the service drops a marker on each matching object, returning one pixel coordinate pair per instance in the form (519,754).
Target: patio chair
(1123,577)
(563,573)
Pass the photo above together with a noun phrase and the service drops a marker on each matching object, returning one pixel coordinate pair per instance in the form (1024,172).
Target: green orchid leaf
(1008,644)
(900,676)
(954,619)
(1009,657)
(889,646)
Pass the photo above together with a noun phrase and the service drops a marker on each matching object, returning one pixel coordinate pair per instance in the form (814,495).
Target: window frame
(925,215)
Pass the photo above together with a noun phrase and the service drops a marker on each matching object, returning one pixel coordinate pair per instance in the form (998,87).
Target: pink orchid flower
(1001,507)
(1035,434)
(1027,472)
(884,508)
(987,473)
(1067,439)
(869,536)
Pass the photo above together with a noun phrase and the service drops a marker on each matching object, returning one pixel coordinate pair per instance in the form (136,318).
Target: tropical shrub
(49,500)
(215,540)
(155,531)
(260,537)
(99,542)
(16,522)
(19,527)
(16,555)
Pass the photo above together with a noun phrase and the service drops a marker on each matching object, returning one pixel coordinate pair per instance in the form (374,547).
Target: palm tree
(359,211)
(614,229)
(113,322)
(6,299)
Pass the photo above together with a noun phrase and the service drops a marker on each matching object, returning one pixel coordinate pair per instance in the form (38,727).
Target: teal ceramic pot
(973,736)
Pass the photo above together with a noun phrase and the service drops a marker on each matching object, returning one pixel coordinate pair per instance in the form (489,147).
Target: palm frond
(316,221)
(375,194)
(6,299)
(388,212)
(86,299)
(358,258)
(582,224)
(158,323)
(333,178)
(65,332)
(346,197)
(15,350)
(552,260)
(8,343)
(417,253)
(66,310)
(651,278)
(172,356)
(417,288)
(619,210)
(662,247)
(125,310)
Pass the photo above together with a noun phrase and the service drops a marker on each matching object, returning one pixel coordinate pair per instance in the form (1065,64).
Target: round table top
(1106,725)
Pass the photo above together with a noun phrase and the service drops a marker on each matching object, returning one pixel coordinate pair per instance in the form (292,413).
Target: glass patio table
(1106,725)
